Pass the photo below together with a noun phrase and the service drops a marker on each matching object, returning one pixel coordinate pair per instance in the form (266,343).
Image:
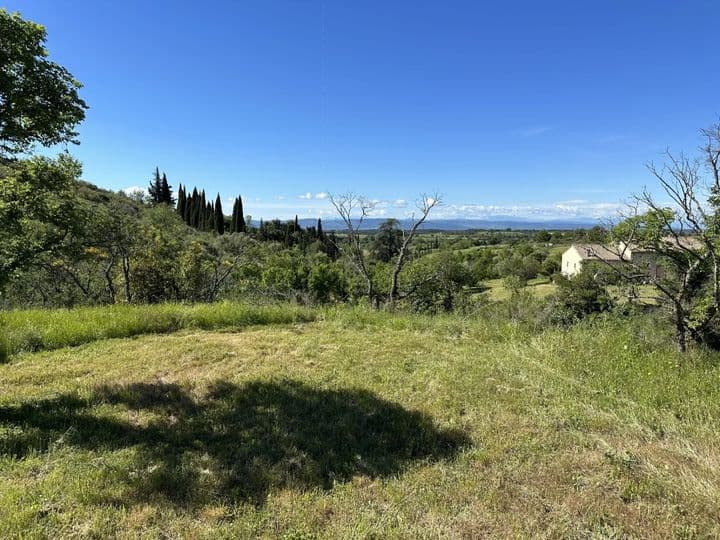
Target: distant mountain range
(493,223)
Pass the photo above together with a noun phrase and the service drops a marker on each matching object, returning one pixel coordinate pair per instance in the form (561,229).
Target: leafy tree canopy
(39,101)
(38,209)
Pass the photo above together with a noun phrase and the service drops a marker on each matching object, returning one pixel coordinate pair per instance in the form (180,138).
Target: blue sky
(546,109)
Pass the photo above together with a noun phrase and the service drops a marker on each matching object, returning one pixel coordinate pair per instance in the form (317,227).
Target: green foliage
(577,297)
(38,209)
(387,240)
(154,274)
(433,283)
(543,236)
(327,282)
(237,222)
(597,234)
(39,101)
(551,265)
(219,219)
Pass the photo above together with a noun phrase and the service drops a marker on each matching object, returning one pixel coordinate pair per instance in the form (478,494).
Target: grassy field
(40,329)
(541,287)
(361,424)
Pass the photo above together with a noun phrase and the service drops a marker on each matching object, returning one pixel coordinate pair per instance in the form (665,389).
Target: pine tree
(219,218)
(155,188)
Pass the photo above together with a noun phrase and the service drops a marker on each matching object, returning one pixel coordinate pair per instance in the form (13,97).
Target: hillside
(360,424)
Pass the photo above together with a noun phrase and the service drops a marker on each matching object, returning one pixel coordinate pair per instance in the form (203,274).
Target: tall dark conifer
(195,209)
(240,223)
(181,200)
(233,219)
(209,217)
(319,230)
(202,211)
(166,196)
(155,188)
(219,218)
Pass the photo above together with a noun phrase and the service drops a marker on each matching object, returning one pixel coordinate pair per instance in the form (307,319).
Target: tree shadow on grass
(237,442)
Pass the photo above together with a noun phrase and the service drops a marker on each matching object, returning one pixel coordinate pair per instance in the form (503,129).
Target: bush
(578,297)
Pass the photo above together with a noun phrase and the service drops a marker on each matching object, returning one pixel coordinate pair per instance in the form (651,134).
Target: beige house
(577,254)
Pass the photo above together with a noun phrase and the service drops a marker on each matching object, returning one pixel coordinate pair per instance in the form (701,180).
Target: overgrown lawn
(363,424)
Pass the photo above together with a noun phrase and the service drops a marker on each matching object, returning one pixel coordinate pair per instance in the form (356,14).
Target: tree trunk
(680,329)
(126,276)
(109,280)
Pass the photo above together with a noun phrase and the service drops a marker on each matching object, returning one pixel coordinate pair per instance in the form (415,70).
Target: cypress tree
(233,220)
(181,201)
(195,209)
(219,218)
(209,217)
(191,210)
(240,224)
(166,196)
(319,230)
(155,188)
(202,211)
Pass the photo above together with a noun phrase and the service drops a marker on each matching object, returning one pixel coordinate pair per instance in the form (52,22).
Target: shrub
(578,297)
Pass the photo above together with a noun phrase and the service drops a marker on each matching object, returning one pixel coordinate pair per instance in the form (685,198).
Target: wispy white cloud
(310,205)
(322,195)
(556,210)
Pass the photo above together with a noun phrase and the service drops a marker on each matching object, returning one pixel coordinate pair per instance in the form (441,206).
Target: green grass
(38,329)
(540,287)
(363,424)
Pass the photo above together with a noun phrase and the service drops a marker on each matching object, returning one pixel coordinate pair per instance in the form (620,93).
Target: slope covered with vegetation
(437,426)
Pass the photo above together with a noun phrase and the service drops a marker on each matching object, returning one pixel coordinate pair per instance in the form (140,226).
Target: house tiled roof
(590,252)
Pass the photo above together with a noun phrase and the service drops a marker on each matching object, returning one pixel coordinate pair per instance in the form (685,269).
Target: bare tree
(353,209)
(682,238)
(425,206)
